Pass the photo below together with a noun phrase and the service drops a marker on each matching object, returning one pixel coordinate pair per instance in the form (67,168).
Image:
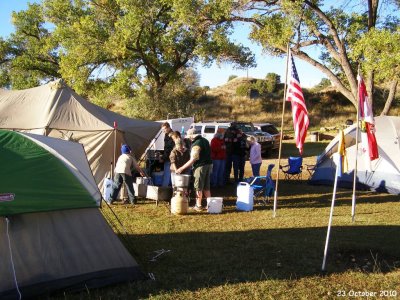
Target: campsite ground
(251,255)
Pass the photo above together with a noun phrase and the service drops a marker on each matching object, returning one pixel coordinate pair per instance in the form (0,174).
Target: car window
(271,129)
(209,129)
(245,127)
(224,127)
(197,129)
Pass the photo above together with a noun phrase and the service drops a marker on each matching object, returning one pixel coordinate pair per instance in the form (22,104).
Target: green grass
(251,255)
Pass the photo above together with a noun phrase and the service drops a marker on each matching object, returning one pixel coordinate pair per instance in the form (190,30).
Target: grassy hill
(327,108)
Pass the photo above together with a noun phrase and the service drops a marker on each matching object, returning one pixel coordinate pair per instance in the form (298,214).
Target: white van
(180,124)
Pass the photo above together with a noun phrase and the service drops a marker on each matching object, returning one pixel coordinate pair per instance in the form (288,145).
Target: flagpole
(281,139)
(353,198)
(330,216)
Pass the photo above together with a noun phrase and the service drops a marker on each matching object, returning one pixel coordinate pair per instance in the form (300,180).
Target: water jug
(245,195)
(107,189)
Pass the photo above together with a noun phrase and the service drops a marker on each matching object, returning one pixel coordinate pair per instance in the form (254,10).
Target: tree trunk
(369,84)
(392,92)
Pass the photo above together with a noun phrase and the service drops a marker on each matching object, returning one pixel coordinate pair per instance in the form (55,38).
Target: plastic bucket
(157,177)
(245,195)
(214,205)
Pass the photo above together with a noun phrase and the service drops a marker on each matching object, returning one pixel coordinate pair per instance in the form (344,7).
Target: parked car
(208,129)
(270,130)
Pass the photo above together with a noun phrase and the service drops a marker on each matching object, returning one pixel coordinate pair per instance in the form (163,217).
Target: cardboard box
(159,193)
(140,190)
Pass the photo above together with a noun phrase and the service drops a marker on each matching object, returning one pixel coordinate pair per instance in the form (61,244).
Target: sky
(212,76)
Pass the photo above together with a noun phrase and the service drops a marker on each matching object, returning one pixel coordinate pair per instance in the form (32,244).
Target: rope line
(12,261)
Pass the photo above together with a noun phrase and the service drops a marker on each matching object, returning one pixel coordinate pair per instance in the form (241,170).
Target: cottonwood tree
(29,56)
(116,47)
(309,26)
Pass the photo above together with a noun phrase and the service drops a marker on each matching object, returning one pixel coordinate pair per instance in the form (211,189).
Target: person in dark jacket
(239,147)
(168,146)
(229,137)
(200,159)
(218,156)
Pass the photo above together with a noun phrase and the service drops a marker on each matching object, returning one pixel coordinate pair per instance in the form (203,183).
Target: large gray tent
(383,175)
(56,110)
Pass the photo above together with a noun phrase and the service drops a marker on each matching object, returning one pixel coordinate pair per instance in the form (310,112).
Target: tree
(174,100)
(272,80)
(117,48)
(134,43)
(29,56)
(232,77)
(306,25)
(324,83)
(381,52)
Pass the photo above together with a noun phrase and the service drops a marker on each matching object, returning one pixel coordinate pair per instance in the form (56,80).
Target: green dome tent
(52,234)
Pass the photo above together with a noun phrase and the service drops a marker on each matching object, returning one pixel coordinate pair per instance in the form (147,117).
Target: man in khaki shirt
(123,174)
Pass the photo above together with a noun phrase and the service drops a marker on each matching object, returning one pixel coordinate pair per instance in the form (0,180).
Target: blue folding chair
(294,168)
(263,185)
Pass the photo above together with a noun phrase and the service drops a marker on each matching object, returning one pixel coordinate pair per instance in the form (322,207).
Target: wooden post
(281,139)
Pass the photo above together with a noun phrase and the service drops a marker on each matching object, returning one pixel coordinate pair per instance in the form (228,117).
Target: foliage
(380,50)
(232,77)
(244,89)
(324,83)
(271,81)
(174,100)
(29,57)
(309,25)
(118,48)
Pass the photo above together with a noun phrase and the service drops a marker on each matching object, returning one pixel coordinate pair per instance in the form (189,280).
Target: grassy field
(251,255)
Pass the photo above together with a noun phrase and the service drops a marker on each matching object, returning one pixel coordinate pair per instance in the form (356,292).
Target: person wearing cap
(179,155)
(123,174)
(200,159)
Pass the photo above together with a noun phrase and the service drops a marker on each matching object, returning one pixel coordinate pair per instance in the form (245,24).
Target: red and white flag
(299,109)
(368,140)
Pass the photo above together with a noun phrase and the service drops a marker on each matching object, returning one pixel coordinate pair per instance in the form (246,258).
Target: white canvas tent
(384,172)
(52,234)
(56,110)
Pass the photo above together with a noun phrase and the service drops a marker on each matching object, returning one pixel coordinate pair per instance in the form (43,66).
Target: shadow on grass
(308,196)
(205,259)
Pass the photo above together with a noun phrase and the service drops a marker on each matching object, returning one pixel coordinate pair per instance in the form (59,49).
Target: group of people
(210,163)
(229,149)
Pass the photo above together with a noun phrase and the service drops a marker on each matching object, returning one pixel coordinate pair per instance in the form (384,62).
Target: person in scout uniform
(200,159)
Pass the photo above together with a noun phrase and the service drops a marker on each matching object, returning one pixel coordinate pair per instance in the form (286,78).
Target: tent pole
(281,139)
(330,217)
(353,198)
(115,147)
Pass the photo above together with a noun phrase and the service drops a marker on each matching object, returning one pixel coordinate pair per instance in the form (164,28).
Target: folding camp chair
(263,185)
(294,167)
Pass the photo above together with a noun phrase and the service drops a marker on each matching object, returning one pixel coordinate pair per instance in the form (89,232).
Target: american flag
(368,140)
(299,109)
